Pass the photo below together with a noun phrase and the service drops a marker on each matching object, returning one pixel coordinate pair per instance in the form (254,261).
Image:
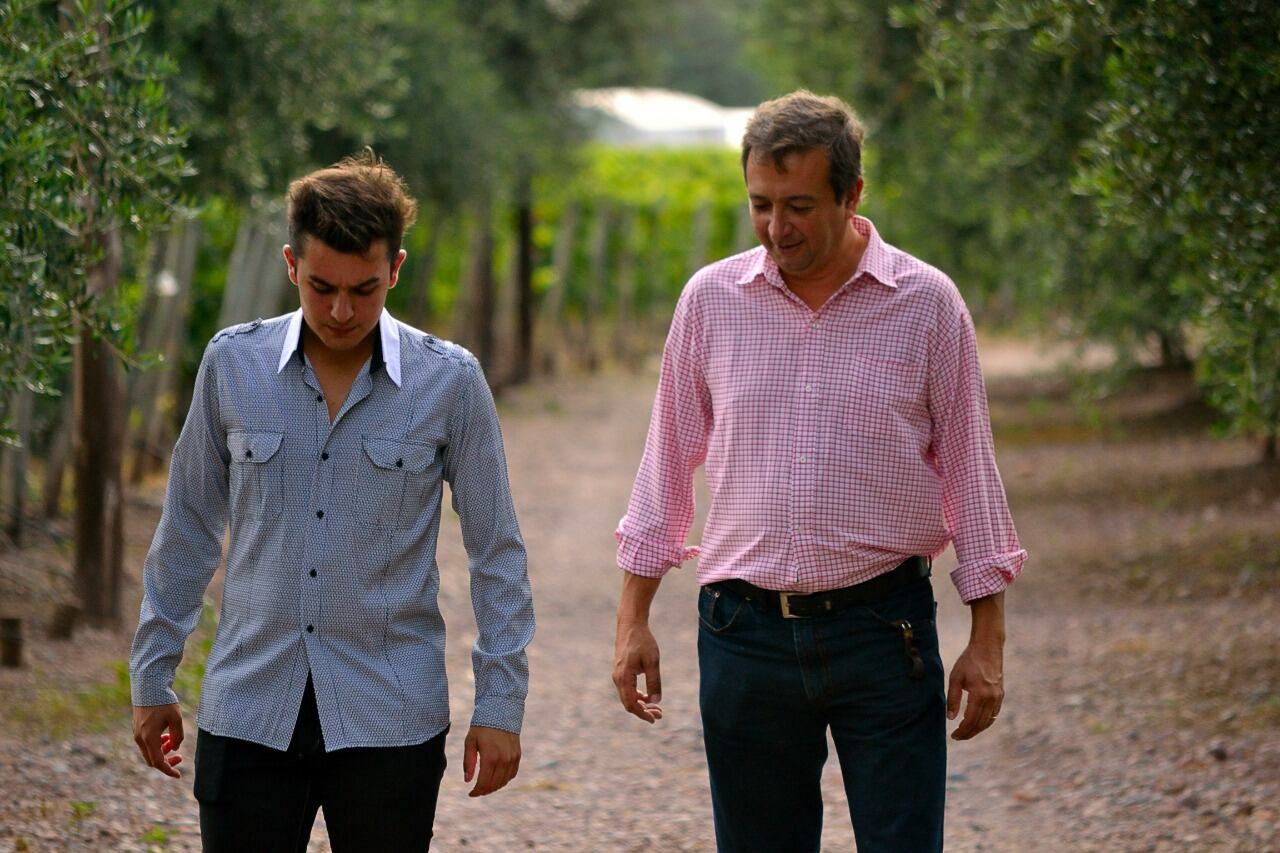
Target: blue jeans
(771,687)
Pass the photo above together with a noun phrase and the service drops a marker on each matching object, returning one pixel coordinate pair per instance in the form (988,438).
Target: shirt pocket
(883,399)
(400,472)
(256,478)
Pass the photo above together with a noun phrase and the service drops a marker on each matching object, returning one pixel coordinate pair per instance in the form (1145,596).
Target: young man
(324,437)
(830,382)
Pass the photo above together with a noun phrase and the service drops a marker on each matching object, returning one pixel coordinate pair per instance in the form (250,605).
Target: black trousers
(256,798)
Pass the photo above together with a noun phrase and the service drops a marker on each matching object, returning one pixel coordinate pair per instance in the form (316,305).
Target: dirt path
(1142,669)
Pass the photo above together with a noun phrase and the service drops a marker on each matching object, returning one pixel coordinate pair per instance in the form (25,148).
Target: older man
(830,384)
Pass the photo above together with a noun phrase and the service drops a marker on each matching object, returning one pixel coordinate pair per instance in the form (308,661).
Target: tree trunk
(270,285)
(700,239)
(658,287)
(233,310)
(153,397)
(140,385)
(99,516)
(624,335)
(421,313)
(523,367)
(552,311)
(17,463)
(55,465)
(484,290)
(1269,448)
(257,281)
(598,260)
(1173,350)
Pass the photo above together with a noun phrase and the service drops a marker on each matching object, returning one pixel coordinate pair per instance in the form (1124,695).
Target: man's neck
(816,289)
(345,361)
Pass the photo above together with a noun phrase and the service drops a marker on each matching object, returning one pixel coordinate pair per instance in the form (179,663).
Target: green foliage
(82,809)
(1100,167)
(449,131)
(1189,136)
(157,835)
(677,178)
(661,193)
(270,90)
(86,150)
(1173,149)
(652,199)
(700,50)
(219,219)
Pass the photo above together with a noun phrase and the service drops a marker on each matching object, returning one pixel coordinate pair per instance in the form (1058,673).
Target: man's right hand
(157,730)
(635,654)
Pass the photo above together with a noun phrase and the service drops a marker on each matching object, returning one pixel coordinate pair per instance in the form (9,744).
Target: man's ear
(852,200)
(395,267)
(292,263)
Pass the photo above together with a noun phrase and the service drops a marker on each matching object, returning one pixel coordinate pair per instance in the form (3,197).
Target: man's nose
(341,310)
(777,226)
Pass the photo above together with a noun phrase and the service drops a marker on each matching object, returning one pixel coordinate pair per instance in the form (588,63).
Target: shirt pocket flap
(255,447)
(393,453)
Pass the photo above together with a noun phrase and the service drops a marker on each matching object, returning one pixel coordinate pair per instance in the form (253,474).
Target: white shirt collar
(388,332)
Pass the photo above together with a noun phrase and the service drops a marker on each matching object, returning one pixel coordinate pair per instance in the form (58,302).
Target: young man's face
(342,294)
(796,215)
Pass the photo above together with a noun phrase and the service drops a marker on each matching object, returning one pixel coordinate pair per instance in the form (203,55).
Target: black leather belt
(804,605)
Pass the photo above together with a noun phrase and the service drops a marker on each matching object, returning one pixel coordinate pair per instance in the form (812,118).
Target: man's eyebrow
(802,197)
(318,280)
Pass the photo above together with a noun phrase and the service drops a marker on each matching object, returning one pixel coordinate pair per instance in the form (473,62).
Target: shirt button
(324,456)
(248,454)
(310,628)
(313,573)
(399,463)
(319,398)
(804,458)
(808,386)
(320,512)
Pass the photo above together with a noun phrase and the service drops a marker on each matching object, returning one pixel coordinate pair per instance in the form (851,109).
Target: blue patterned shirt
(331,565)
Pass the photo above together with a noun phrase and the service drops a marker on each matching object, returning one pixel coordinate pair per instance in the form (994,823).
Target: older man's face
(796,215)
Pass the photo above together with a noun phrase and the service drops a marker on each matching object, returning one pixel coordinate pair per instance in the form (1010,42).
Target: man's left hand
(498,754)
(979,671)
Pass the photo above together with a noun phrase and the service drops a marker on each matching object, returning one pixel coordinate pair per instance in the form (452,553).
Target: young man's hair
(350,206)
(803,121)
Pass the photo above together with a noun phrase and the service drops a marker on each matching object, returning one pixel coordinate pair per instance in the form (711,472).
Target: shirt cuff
(501,712)
(987,576)
(650,559)
(145,695)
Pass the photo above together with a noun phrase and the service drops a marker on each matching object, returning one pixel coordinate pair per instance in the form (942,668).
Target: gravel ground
(1142,675)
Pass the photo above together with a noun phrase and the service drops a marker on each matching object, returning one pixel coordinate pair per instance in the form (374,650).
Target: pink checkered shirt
(837,442)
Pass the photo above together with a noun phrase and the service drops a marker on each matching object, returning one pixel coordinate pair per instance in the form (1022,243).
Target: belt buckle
(784,601)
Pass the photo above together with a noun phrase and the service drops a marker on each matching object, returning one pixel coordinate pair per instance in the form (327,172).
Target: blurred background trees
(1100,169)
(1088,169)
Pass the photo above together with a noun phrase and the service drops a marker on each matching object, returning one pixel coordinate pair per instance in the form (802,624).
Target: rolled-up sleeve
(476,469)
(651,536)
(973,497)
(187,546)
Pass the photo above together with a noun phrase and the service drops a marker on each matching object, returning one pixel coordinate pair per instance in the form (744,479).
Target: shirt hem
(409,740)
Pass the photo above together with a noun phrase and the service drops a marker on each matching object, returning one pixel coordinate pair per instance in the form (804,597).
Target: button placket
(315,549)
(806,403)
